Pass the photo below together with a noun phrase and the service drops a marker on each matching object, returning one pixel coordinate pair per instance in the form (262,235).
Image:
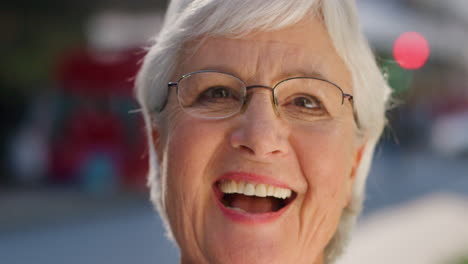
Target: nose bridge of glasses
(249,97)
(258,86)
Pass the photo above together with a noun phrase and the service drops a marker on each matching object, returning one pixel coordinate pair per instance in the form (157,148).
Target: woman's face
(314,165)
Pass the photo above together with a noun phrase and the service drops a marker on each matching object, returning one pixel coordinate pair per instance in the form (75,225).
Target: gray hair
(187,20)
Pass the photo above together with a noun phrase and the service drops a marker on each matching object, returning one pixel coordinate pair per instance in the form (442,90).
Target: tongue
(254,204)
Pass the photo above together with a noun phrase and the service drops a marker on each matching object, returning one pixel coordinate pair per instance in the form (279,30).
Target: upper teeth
(250,189)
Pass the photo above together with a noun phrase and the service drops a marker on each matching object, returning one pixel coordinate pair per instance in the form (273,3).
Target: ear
(353,173)
(156,137)
(357,160)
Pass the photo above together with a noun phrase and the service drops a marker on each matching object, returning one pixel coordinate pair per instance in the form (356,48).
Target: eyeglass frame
(247,88)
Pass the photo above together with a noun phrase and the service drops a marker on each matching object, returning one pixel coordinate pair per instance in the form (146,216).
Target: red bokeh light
(411,50)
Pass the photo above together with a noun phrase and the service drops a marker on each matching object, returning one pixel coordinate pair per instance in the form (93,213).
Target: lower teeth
(237,209)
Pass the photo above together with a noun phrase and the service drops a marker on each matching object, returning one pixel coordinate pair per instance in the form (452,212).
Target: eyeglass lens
(218,95)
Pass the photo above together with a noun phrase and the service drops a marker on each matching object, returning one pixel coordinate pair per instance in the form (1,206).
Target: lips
(252,197)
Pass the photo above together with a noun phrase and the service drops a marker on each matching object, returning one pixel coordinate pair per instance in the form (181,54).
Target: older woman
(262,118)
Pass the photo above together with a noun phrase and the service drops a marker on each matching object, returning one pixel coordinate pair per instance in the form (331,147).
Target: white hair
(187,20)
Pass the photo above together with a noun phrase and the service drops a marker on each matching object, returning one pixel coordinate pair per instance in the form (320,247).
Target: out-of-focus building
(97,142)
(435,97)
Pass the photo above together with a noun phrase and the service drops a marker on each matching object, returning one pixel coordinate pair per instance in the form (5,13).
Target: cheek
(189,151)
(326,161)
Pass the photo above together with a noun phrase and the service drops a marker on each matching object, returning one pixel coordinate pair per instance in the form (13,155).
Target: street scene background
(72,147)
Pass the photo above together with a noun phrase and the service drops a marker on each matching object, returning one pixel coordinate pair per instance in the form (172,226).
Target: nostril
(260,138)
(276,152)
(247,149)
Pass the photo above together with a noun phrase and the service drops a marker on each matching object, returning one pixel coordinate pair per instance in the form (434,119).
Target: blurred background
(73,158)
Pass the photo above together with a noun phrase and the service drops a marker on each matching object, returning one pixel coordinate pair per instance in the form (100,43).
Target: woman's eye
(220,93)
(305,102)
(217,93)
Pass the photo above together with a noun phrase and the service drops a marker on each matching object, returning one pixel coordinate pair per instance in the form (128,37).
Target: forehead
(303,49)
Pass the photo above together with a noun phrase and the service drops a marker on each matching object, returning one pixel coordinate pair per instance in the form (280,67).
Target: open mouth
(254,198)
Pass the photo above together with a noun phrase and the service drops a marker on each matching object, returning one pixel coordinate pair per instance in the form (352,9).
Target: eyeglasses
(211,94)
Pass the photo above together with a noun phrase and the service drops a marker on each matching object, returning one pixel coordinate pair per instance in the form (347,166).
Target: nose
(260,134)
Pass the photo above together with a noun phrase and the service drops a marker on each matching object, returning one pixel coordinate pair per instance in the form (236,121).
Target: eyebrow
(285,75)
(313,73)
(220,68)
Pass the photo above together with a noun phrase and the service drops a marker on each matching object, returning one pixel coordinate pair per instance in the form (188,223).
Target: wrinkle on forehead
(268,57)
(257,59)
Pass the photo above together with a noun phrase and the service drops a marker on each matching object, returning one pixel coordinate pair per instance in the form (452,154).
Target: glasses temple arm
(169,85)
